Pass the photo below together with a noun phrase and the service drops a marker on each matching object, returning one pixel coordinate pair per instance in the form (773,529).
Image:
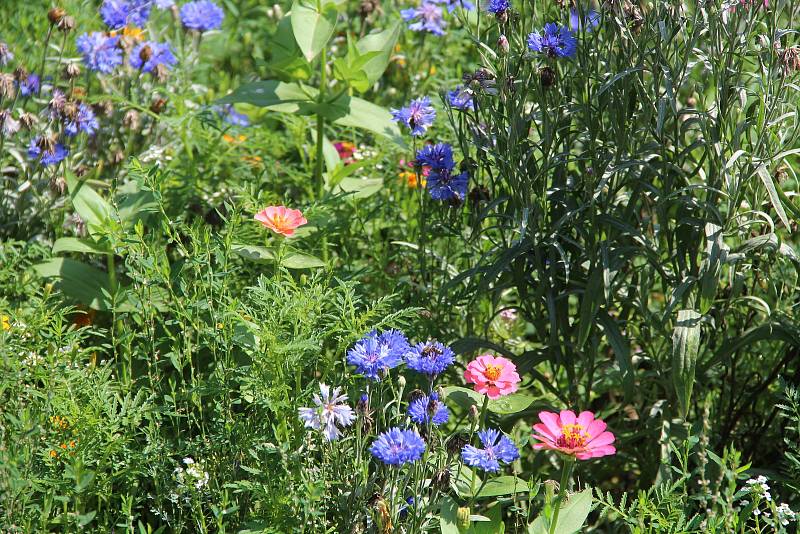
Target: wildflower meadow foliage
(420,266)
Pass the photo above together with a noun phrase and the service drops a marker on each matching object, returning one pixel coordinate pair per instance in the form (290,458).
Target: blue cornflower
(159,54)
(427,17)
(555,41)
(453,4)
(100,52)
(496,448)
(84,121)
(375,354)
(444,185)
(119,13)
(47,157)
(231,116)
(591,17)
(201,15)
(497,6)
(30,86)
(430,357)
(398,447)
(164,4)
(418,115)
(461,98)
(438,156)
(425,409)
(404,508)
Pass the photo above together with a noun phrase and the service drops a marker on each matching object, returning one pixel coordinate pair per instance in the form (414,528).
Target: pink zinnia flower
(583,437)
(281,219)
(492,376)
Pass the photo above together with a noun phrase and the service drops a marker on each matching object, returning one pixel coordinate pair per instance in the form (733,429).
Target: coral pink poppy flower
(281,219)
(583,437)
(492,376)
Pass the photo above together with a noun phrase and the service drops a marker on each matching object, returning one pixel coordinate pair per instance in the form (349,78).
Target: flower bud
(277,10)
(503,44)
(462,519)
(55,15)
(473,413)
(158,105)
(547,77)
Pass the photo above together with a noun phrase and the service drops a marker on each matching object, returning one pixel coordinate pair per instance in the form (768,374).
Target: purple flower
(160,54)
(591,17)
(100,53)
(497,6)
(398,447)
(496,448)
(375,354)
(430,357)
(461,98)
(330,410)
(47,157)
(554,41)
(201,15)
(119,13)
(29,86)
(85,121)
(427,17)
(418,115)
(427,409)
(453,4)
(444,185)
(438,156)
(231,116)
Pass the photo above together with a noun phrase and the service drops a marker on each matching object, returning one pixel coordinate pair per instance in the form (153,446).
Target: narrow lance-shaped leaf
(685,347)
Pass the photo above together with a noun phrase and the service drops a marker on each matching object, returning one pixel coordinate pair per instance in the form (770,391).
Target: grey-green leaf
(313,27)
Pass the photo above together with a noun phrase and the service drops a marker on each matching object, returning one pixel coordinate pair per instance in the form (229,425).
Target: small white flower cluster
(785,514)
(193,474)
(32,360)
(759,486)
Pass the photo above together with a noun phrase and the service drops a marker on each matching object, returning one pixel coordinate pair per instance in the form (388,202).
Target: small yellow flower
(231,139)
(433,70)
(53,454)
(5,322)
(411,179)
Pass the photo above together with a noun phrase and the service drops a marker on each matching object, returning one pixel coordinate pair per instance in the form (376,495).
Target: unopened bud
(473,413)
(547,77)
(503,45)
(401,381)
(55,15)
(462,519)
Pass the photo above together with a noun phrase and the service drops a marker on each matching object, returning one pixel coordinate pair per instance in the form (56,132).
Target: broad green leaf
(448,516)
(622,351)
(363,114)
(461,480)
(493,523)
(571,517)
(503,485)
(287,59)
(313,27)
(360,187)
(514,403)
(383,43)
(74,244)
(462,396)
(298,260)
(685,347)
(92,208)
(84,283)
(253,252)
(274,95)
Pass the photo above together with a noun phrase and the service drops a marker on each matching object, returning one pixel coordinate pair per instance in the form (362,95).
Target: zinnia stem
(566,473)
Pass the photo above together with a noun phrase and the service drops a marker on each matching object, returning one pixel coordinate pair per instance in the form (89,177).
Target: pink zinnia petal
(567,417)
(603,439)
(550,420)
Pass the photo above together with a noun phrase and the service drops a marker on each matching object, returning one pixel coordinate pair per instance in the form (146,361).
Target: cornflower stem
(566,473)
(44,52)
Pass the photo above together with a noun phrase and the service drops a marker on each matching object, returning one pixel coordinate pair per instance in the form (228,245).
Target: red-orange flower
(281,219)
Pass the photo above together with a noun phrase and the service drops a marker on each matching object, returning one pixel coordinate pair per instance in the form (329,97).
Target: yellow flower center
(573,436)
(493,372)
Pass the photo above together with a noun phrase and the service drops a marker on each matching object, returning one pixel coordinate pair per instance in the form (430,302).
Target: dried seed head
(47,143)
(456,443)
(790,58)
(131,120)
(70,109)
(161,73)
(547,77)
(57,102)
(441,479)
(6,85)
(28,120)
(66,24)
(55,15)
(20,74)
(71,71)
(58,185)
(106,108)
(367,7)
(8,124)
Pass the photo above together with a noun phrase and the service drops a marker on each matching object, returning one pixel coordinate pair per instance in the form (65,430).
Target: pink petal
(605,450)
(545,432)
(567,417)
(596,428)
(493,392)
(551,422)
(586,455)
(585,419)
(603,439)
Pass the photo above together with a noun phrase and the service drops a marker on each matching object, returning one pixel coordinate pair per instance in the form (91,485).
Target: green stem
(566,473)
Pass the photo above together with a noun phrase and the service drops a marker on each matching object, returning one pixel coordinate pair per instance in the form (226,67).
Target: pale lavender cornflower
(330,410)
(427,17)
(418,115)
